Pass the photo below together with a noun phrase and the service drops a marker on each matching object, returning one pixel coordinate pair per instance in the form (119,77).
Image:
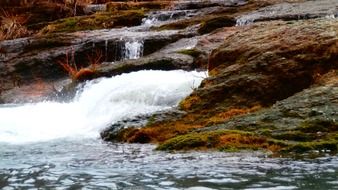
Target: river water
(51,145)
(92,164)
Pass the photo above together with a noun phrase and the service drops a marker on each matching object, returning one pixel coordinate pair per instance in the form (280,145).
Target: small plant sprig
(69,65)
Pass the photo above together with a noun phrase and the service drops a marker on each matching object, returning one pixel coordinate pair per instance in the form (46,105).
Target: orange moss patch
(161,132)
(189,101)
(239,141)
(224,116)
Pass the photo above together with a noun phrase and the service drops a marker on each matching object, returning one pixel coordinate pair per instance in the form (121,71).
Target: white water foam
(133,49)
(150,21)
(100,103)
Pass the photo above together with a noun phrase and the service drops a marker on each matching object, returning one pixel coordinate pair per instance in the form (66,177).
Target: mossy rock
(192,52)
(189,141)
(96,21)
(221,139)
(318,125)
(182,24)
(294,136)
(329,145)
(148,5)
(47,43)
(215,23)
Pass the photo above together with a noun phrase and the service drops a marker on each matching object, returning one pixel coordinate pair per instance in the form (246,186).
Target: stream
(89,163)
(56,145)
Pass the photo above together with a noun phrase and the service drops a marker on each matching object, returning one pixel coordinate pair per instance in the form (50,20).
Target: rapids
(98,104)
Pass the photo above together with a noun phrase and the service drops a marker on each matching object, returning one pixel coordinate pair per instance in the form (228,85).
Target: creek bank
(30,59)
(274,89)
(272,72)
(27,61)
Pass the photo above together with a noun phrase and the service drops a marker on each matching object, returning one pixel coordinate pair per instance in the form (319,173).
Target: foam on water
(133,49)
(97,105)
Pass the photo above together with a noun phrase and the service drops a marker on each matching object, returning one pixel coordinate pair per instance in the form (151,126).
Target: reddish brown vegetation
(12,25)
(226,115)
(160,132)
(69,65)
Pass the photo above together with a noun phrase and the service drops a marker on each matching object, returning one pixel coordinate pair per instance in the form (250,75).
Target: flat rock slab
(292,11)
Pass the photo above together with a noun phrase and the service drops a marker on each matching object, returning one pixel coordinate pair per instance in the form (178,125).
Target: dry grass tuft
(12,26)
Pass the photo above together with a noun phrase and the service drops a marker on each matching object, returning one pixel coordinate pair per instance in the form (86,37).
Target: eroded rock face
(319,103)
(272,84)
(267,62)
(26,61)
(202,4)
(306,121)
(23,61)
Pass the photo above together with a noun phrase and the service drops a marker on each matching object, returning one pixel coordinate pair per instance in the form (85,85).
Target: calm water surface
(92,164)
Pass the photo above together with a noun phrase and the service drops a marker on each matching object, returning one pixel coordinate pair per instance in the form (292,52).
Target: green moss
(294,136)
(264,132)
(192,52)
(99,20)
(335,136)
(207,140)
(177,25)
(318,125)
(189,141)
(151,120)
(323,145)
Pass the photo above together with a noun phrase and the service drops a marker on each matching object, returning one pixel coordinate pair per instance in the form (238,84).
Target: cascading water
(133,49)
(100,103)
(149,21)
(51,145)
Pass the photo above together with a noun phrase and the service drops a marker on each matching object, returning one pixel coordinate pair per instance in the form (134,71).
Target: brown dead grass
(12,25)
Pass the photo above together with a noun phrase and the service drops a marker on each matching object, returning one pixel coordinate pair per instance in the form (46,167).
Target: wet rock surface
(115,132)
(292,11)
(272,68)
(269,62)
(28,59)
(275,88)
(316,107)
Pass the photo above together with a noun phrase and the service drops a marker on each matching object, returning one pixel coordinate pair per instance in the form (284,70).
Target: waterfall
(133,49)
(97,105)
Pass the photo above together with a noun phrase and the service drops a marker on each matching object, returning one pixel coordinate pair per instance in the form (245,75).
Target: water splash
(245,20)
(97,105)
(150,21)
(133,49)
(330,16)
